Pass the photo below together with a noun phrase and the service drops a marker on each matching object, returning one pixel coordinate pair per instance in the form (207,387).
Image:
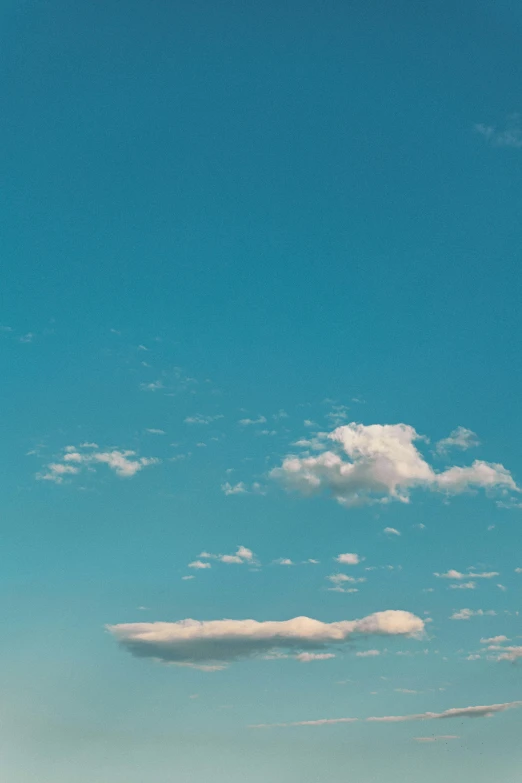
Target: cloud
(383,465)
(464,586)
(460,438)
(234,489)
(306,657)
(452,574)
(456,712)
(466,614)
(284,561)
(338,578)
(249,422)
(508,653)
(199,419)
(437,738)
(349,558)
(152,387)
(510,136)
(391,531)
(494,640)
(153,431)
(199,564)
(125,463)
(367,654)
(242,555)
(217,642)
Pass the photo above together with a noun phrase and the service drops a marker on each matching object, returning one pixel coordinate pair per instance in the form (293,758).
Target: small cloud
(198,418)
(502,587)
(437,738)
(452,574)
(466,614)
(152,431)
(510,136)
(250,422)
(284,561)
(152,387)
(186,578)
(461,438)
(26,338)
(306,657)
(391,531)
(199,564)
(367,654)
(495,640)
(348,558)
(234,489)
(464,586)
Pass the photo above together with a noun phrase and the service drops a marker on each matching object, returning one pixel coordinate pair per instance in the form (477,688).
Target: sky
(261,468)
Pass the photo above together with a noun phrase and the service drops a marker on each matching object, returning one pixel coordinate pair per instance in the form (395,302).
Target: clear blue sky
(238,240)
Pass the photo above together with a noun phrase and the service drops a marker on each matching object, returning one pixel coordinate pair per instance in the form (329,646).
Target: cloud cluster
(241,556)
(125,463)
(510,136)
(466,614)
(486,711)
(379,463)
(458,575)
(217,642)
(460,438)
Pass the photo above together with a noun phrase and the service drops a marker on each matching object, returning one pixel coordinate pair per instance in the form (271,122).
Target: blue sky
(261,411)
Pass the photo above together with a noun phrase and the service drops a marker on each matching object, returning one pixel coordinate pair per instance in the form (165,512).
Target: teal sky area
(260,348)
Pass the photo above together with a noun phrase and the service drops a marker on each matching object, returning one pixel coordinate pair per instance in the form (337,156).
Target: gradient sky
(238,240)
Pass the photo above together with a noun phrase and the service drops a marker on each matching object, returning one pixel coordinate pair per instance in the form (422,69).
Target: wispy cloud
(198,418)
(250,422)
(125,463)
(461,438)
(486,711)
(509,136)
(466,614)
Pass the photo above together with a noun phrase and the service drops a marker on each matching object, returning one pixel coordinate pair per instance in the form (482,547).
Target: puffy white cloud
(508,653)
(391,531)
(241,556)
(457,575)
(250,422)
(215,642)
(339,578)
(284,561)
(460,438)
(495,640)
(486,711)
(349,558)
(379,463)
(125,463)
(234,489)
(199,564)
(466,614)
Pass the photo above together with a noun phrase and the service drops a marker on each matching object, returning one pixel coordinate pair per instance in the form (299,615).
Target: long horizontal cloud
(486,711)
(217,642)
(383,464)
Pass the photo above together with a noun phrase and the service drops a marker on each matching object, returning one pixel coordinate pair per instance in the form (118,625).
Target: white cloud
(124,463)
(452,574)
(284,561)
(466,614)
(383,465)
(199,564)
(249,422)
(152,387)
(339,578)
(306,657)
(460,438)
(199,419)
(153,431)
(495,640)
(185,578)
(437,738)
(367,654)
(509,654)
(464,586)
(510,136)
(391,531)
(518,570)
(234,489)
(502,587)
(216,642)
(242,555)
(486,711)
(348,558)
